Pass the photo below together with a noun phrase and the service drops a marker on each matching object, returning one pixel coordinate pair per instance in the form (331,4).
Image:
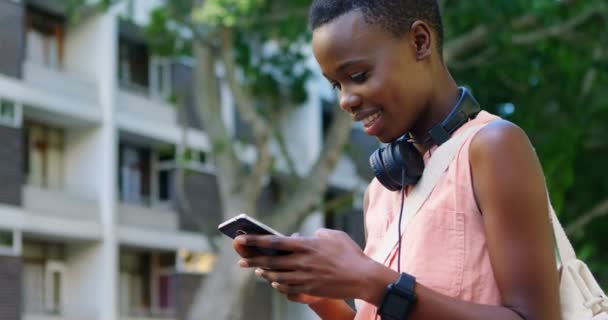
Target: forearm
(432,305)
(329,309)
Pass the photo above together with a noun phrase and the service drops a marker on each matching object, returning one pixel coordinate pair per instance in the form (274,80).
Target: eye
(336,86)
(359,77)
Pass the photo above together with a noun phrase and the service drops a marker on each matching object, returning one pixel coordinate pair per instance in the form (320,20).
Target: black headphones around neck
(399,163)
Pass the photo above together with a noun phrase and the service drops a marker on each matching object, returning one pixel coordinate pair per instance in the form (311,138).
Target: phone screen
(243,224)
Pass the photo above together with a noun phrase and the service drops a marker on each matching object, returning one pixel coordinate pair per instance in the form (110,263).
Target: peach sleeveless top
(444,245)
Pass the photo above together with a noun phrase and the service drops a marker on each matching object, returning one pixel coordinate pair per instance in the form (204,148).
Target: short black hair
(394,16)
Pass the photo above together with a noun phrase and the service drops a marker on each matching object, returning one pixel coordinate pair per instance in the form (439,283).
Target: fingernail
(240,240)
(243,263)
(275,285)
(259,272)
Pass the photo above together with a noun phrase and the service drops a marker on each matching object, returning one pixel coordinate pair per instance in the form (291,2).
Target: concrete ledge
(163,240)
(15,218)
(60,204)
(50,104)
(145,217)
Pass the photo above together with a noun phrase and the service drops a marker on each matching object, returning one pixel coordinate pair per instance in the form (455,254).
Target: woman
(481,245)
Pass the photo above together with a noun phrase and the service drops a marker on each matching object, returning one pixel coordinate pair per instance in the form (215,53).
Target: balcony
(59,83)
(27,316)
(134,102)
(59,204)
(147,217)
(147,314)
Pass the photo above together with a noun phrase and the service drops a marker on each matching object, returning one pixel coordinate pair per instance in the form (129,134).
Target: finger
(326,233)
(289,289)
(270,262)
(289,277)
(244,251)
(292,244)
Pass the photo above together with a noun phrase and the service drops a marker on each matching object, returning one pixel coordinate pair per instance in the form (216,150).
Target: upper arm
(510,190)
(365,205)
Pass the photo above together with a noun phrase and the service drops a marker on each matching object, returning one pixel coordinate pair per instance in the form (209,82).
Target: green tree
(539,63)
(544,65)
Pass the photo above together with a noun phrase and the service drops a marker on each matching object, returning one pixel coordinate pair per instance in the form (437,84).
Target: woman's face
(380,80)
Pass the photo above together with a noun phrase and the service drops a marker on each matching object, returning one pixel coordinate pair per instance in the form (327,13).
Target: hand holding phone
(244,224)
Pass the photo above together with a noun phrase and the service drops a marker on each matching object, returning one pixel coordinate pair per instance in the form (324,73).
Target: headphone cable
(400,216)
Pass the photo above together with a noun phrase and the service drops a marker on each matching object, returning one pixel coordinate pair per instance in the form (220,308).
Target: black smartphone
(244,224)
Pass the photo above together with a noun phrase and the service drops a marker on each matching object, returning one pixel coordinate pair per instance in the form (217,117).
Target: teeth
(369,120)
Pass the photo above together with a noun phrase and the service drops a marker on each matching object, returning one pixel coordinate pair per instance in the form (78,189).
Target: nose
(349,101)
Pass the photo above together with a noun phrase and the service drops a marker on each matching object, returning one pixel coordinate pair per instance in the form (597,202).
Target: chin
(386,138)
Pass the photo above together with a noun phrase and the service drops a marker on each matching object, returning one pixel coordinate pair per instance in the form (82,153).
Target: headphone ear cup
(413,163)
(377,163)
(399,158)
(394,165)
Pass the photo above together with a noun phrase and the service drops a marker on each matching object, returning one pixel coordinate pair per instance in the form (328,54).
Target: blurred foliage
(269,38)
(555,89)
(538,85)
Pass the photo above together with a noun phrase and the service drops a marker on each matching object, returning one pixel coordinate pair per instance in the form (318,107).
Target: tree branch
(259,126)
(479,35)
(308,194)
(281,110)
(459,46)
(244,102)
(483,58)
(207,91)
(598,211)
(291,167)
(558,29)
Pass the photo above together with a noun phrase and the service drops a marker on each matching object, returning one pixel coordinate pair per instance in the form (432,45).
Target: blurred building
(89,223)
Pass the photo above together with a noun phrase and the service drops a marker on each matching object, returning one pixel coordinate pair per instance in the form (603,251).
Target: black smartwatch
(399,299)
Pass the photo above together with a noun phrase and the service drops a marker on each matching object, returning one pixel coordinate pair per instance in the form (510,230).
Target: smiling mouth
(368,121)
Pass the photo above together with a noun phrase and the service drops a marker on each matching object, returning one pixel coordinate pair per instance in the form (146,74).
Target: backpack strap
(563,248)
(434,170)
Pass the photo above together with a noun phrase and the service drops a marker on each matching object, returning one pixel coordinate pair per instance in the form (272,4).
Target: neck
(444,97)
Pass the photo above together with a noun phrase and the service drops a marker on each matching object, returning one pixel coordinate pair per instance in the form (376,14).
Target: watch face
(398,299)
(396,307)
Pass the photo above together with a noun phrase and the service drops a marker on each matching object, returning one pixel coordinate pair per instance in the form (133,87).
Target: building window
(44,156)
(10,113)
(134,175)
(134,66)
(45,38)
(145,284)
(54,275)
(43,277)
(160,78)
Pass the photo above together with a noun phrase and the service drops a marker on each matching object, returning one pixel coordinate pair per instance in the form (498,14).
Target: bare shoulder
(497,139)
(505,169)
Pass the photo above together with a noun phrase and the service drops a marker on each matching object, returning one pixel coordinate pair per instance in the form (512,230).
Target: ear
(422,39)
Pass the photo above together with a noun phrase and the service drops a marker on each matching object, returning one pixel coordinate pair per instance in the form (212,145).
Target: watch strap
(399,299)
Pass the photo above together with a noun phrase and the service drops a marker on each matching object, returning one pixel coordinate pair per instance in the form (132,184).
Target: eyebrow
(344,65)
(348,64)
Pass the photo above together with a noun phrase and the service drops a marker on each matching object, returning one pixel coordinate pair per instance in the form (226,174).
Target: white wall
(83,50)
(82,161)
(84,262)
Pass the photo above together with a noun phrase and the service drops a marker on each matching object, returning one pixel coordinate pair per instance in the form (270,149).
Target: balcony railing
(149,314)
(59,204)
(147,217)
(59,82)
(134,101)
